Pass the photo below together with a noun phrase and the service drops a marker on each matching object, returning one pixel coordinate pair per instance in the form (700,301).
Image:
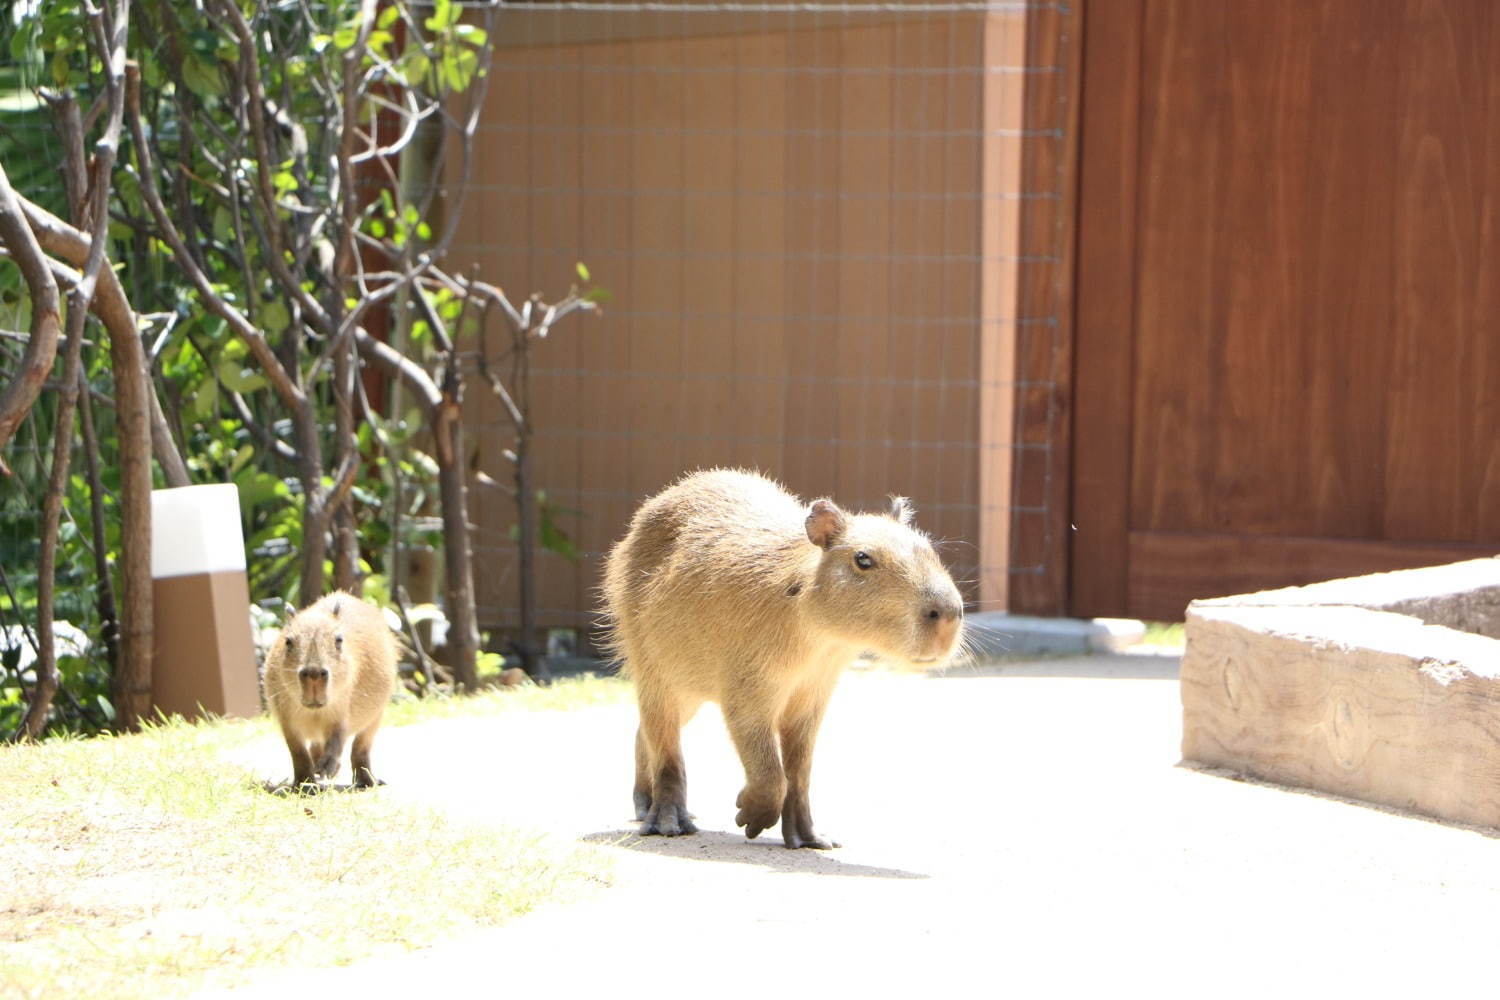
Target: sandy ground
(1026,832)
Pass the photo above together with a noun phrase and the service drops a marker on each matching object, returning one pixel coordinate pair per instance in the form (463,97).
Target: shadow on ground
(764,852)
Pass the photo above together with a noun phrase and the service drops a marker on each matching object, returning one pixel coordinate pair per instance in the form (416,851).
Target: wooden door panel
(1167,571)
(1288,317)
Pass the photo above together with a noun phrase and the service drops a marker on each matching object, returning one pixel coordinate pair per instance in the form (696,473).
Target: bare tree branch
(41,349)
(281,381)
(111,306)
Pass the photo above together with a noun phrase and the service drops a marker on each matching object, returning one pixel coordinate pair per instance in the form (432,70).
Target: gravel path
(1025,833)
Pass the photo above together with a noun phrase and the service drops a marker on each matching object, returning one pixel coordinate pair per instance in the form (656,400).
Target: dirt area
(1026,832)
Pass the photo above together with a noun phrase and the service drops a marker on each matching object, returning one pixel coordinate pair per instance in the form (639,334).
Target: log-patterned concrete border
(1384,688)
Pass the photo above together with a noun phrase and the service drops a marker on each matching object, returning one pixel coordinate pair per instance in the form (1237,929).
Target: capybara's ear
(825,523)
(333,609)
(901,510)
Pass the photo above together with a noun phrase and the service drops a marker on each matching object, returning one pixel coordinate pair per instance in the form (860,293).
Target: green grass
(574,692)
(148,866)
(1165,634)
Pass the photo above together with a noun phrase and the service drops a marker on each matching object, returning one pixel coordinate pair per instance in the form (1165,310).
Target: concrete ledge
(995,635)
(1384,688)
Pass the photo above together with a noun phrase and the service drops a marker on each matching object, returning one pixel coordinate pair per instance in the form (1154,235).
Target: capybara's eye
(863,560)
(290,642)
(338,640)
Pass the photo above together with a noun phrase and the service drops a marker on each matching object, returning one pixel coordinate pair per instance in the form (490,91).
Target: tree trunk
(532,660)
(345,537)
(104,586)
(463,625)
(314,516)
(40,703)
(132,687)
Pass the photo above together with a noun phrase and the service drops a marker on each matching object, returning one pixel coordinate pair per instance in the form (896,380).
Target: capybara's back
(328,677)
(727,588)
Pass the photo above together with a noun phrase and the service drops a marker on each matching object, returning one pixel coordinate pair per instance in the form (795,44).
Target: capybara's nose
(313,673)
(944,609)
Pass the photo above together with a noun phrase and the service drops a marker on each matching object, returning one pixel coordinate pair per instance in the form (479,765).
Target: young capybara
(728,589)
(329,676)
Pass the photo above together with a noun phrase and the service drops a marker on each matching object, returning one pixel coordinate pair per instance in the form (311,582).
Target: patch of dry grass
(146,865)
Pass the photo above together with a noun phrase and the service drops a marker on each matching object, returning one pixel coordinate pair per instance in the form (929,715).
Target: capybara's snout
(941,623)
(314,682)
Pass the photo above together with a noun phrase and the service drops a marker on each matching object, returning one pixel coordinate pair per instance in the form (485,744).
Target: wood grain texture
(1167,570)
(1105,326)
(1044,319)
(1374,706)
(1300,314)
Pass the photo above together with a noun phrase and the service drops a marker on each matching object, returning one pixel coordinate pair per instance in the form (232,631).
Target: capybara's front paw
(668,819)
(759,810)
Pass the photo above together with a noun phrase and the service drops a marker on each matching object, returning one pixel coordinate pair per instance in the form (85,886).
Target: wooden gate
(1288,295)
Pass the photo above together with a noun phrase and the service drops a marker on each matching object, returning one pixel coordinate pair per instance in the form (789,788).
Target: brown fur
(350,640)
(728,589)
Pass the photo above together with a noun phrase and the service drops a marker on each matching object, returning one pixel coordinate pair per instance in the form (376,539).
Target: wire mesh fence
(813,220)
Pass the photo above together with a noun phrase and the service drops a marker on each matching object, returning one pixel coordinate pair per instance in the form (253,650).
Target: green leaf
(458,68)
(201,76)
(23,42)
(388,16)
(242,456)
(445,15)
(275,317)
(378,41)
(583,272)
(239,379)
(206,402)
(416,67)
(472,34)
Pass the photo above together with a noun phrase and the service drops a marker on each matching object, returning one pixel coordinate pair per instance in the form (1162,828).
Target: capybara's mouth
(313,703)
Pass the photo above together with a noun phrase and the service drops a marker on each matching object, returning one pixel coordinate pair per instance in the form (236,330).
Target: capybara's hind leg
(359,758)
(642,793)
(661,729)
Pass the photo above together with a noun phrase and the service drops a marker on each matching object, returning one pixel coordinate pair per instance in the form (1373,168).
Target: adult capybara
(329,676)
(729,589)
